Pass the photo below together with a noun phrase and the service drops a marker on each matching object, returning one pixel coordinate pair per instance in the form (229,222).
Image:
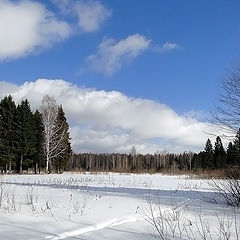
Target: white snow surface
(99,205)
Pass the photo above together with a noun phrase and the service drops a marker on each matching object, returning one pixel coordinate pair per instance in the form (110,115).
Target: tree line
(33,140)
(40,140)
(210,158)
(216,157)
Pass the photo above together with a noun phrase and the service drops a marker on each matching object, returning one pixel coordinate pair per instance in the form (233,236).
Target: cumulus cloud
(90,14)
(26,26)
(103,121)
(112,54)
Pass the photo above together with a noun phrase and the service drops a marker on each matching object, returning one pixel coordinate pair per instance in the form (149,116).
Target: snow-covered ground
(106,206)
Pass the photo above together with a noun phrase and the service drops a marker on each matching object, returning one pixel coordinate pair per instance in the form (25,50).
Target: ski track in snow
(110,223)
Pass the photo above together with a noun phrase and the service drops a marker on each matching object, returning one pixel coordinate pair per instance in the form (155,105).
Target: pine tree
(24,142)
(207,161)
(219,154)
(61,138)
(7,112)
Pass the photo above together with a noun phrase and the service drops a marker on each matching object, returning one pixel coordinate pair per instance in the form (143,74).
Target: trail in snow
(109,223)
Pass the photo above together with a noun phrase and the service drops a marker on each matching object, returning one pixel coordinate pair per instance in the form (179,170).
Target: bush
(227,190)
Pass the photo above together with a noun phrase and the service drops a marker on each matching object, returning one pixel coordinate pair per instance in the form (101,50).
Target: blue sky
(182,50)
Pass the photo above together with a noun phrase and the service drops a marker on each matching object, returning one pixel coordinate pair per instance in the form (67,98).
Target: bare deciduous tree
(49,113)
(133,151)
(56,142)
(227,115)
(227,112)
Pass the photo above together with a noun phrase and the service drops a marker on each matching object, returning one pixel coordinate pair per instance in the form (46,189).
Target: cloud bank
(103,121)
(26,26)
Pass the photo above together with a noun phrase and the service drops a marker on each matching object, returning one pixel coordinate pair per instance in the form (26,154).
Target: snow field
(106,206)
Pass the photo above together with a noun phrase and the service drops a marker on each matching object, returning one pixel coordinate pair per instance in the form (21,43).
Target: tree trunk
(35,168)
(21,163)
(39,167)
(47,164)
(10,164)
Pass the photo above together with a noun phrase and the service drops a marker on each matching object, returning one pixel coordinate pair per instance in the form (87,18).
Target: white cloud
(26,26)
(90,14)
(166,47)
(7,87)
(169,46)
(104,121)
(112,54)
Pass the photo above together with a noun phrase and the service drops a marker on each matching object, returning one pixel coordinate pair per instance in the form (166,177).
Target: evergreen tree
(39,140)
(207,161)
(7,112)
(61,139)
(231,154)
(236,147)
(219,154)
(24,142)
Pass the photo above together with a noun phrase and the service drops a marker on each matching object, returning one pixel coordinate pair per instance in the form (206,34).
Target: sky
(143,73)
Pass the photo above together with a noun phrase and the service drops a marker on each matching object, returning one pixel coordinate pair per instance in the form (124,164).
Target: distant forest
(40,142)
(213,157)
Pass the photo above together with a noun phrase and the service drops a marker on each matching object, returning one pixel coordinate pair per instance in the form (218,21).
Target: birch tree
(57,146)
(48,110)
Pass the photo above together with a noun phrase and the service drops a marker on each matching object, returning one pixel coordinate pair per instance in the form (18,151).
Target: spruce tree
(236,145)
(7,113)
(207,161)
(38,141)
(231,154)
(62,139)
(219,154)
(24,142)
